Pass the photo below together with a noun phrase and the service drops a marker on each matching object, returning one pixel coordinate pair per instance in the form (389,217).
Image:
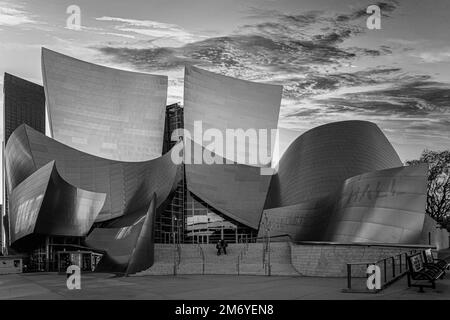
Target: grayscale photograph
(225,155)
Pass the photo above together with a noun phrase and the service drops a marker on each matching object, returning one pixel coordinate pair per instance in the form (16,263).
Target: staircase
(223,264)
(242,259)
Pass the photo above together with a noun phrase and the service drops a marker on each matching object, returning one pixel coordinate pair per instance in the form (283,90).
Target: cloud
(284,44)
(150,28)
(308,54)
(14,14)
(442,55)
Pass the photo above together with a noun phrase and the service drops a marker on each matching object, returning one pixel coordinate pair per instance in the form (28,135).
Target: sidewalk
(107,286)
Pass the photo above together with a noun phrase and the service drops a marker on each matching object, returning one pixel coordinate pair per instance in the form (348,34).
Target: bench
(431,261)
(425,275)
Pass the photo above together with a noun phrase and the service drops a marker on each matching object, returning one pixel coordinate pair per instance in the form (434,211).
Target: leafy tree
(438,198)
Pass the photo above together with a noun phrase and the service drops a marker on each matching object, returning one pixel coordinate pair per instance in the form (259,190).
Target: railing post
(238,265)
(349,276)
(406,262)
(393,267)
(400,262)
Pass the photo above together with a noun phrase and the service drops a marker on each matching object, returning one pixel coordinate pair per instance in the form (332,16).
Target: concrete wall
(325,259)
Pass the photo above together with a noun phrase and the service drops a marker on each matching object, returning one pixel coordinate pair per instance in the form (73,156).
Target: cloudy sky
(331,65)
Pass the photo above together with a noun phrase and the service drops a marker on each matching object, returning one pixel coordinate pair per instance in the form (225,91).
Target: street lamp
(267,229)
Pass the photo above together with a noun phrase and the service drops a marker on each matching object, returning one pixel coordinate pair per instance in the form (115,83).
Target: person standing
(224,245)
(219,247)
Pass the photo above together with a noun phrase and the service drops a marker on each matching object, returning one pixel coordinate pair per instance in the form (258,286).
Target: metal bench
(425,276)
(431,261)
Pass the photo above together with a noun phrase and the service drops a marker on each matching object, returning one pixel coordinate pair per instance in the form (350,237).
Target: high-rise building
(24,102)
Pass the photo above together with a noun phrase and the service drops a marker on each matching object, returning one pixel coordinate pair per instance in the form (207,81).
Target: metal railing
(265,263)
(176,258)
(241,254)
(392,268)
(202,254)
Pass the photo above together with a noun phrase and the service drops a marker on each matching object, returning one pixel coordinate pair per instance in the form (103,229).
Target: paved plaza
(108,286)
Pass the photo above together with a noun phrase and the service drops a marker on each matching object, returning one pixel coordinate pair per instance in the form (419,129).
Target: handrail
(385,281)
(202,253)
(241,255)
(176,253)
(179,254)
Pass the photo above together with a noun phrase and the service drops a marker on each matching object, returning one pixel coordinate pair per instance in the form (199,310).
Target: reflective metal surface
(110,113)
(128,185)
(306,199)
(222,103)
(128,249)
(318,162)
(381,206)
(46,204)
(305,221)
(236,190)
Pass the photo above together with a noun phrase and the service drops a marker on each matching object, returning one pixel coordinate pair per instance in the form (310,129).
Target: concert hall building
(102,180)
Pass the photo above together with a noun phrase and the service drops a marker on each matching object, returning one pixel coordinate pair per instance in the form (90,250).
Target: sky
(332,67)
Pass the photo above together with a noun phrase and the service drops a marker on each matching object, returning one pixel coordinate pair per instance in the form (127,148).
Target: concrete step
(250,259)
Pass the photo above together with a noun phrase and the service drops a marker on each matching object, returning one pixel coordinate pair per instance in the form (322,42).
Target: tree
(438,197)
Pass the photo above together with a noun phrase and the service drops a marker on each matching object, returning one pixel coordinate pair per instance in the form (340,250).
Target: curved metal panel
(236,190)
(25,203)
(383,206)
(46,204)
(128,249)
(222,103)
(19,163)
(110,113)
(318,162)
(305,221)
(128,185)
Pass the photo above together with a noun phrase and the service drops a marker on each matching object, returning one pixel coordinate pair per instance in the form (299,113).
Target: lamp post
(267,229)
(174,246)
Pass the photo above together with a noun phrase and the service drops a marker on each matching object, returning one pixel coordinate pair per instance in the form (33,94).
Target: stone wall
(326,259)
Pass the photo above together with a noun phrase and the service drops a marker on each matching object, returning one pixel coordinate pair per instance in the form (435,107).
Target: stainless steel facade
(381,206)
(110,113)
(320,160)
(129,248)
(128,185)
(45,204)
(331,186)
(236,190)
(338,182)
(222,103)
